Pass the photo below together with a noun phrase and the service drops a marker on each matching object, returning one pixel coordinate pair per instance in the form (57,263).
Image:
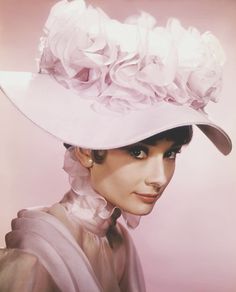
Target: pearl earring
(90,161)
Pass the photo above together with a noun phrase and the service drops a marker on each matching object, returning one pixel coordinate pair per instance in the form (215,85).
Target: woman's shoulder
(13,259)
(22,271)
(7,255)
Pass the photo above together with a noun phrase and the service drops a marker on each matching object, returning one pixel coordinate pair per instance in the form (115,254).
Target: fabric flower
(76,51)
(130,65)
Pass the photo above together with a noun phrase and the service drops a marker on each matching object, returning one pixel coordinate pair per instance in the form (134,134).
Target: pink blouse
(75,245)
(68,253)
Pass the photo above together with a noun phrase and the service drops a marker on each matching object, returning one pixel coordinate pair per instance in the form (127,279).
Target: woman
(124,98)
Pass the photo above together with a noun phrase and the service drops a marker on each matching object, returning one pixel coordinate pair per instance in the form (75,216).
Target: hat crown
(130,65)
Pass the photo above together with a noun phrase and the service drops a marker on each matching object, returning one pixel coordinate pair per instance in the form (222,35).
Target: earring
(90,161)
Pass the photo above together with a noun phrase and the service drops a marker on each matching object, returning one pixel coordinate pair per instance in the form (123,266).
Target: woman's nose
(157,174)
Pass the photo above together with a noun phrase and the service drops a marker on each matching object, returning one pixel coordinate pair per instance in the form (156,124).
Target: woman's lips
(148,198)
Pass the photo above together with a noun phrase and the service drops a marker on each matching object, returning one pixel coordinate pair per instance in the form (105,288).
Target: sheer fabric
(65,252)
(22,272)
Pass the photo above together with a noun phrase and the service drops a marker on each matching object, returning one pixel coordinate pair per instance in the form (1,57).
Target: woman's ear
(84,156)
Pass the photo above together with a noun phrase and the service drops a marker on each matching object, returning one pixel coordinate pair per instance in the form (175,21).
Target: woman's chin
(141,210)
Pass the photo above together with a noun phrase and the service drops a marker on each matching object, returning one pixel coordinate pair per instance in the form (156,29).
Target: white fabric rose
(130,65)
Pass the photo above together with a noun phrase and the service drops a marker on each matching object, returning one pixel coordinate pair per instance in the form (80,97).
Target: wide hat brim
(62,113)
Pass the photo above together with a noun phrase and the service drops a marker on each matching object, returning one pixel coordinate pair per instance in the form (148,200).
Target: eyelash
(141,152)
(173,152)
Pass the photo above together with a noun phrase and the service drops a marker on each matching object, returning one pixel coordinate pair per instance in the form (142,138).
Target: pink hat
(103,84)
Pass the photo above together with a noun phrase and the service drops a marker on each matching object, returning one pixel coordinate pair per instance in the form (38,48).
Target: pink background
(188,243)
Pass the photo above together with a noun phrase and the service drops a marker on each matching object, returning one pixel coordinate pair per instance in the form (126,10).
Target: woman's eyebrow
(176,146)
(135,145)
(173,143)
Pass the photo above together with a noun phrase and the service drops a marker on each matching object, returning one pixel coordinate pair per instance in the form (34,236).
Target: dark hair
(180,136)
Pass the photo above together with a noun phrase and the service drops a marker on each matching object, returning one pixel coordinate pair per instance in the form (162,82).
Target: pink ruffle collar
(85,204)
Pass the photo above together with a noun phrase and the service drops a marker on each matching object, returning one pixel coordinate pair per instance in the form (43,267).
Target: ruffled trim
(131,65)
(88,207)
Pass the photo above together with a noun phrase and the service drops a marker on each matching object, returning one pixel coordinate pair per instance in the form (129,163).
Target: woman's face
(133,178)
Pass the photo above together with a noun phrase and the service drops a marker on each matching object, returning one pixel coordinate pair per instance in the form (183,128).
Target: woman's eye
(171,154)
(138,153)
